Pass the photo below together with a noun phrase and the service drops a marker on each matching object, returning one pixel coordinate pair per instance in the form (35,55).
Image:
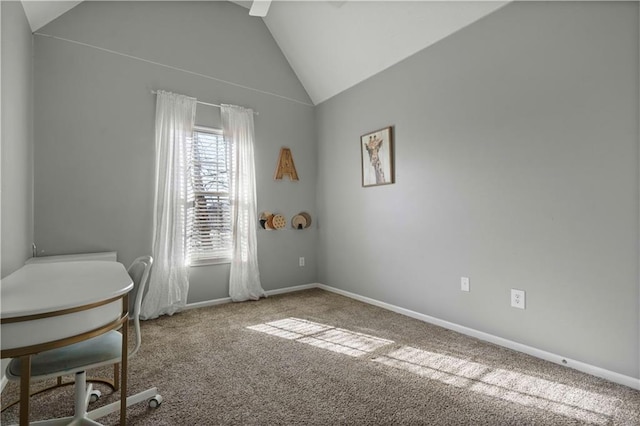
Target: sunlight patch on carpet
(290,328)
(323,336)
(507,385)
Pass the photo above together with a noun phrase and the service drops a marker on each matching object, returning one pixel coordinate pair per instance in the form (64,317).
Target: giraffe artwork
(377,160)
(373,148)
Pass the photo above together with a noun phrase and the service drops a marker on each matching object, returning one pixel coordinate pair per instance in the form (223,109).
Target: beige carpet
(317,358)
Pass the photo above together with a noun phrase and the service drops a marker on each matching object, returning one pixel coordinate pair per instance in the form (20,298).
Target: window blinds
(209,211)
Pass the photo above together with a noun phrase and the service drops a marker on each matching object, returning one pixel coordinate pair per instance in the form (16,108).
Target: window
(209,228)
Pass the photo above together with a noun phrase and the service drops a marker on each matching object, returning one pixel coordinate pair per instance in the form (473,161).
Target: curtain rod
(155,92)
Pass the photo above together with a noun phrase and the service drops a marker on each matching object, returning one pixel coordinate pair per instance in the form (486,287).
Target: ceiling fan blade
(260,8)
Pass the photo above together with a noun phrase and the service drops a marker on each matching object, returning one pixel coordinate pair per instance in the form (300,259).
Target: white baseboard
(538,353)
(291,289)
(206,303)
(269,293)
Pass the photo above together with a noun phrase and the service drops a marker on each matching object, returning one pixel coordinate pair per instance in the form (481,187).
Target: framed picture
(377,157)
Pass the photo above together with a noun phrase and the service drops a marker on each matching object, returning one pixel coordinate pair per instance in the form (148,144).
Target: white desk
(49,305)
(105,255)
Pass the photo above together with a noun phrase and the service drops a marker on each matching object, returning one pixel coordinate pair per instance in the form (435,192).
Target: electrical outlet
(518,299)
(301,261)
(464,284)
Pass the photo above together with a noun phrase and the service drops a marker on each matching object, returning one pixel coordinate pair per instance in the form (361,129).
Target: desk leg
(116,377)
(125,363)
(25,381)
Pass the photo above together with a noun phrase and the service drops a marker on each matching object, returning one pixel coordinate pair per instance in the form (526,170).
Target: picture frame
(376,150)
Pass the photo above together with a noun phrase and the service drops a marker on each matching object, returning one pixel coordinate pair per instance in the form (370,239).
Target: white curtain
(168,284)
(244,279)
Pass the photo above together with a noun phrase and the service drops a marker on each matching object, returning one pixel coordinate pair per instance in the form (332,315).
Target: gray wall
(517,166)
(516,154)
(94,127)
(17,138)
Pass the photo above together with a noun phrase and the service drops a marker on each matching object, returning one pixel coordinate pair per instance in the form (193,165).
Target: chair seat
(69,359)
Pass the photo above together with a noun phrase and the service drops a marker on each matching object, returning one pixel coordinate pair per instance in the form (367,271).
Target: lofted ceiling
(334,45)
(40,13)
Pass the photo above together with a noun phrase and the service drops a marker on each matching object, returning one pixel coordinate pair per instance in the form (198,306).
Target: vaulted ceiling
(40,13)
(334,45)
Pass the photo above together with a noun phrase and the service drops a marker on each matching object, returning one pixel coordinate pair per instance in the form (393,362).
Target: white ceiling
(334,45)
(40,13)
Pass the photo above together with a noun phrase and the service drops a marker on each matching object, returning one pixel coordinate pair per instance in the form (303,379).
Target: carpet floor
(317,358)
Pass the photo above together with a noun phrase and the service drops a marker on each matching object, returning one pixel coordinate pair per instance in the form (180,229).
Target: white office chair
(89,354)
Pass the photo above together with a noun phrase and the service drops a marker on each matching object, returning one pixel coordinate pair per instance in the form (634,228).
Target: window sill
(210,262)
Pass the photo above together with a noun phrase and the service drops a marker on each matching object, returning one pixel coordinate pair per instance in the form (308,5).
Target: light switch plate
(464,284)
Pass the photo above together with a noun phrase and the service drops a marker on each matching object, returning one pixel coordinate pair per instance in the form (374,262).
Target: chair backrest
(139,273)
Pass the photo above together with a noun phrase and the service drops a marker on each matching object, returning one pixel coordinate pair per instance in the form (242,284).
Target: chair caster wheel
(155,401)
(95,395)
